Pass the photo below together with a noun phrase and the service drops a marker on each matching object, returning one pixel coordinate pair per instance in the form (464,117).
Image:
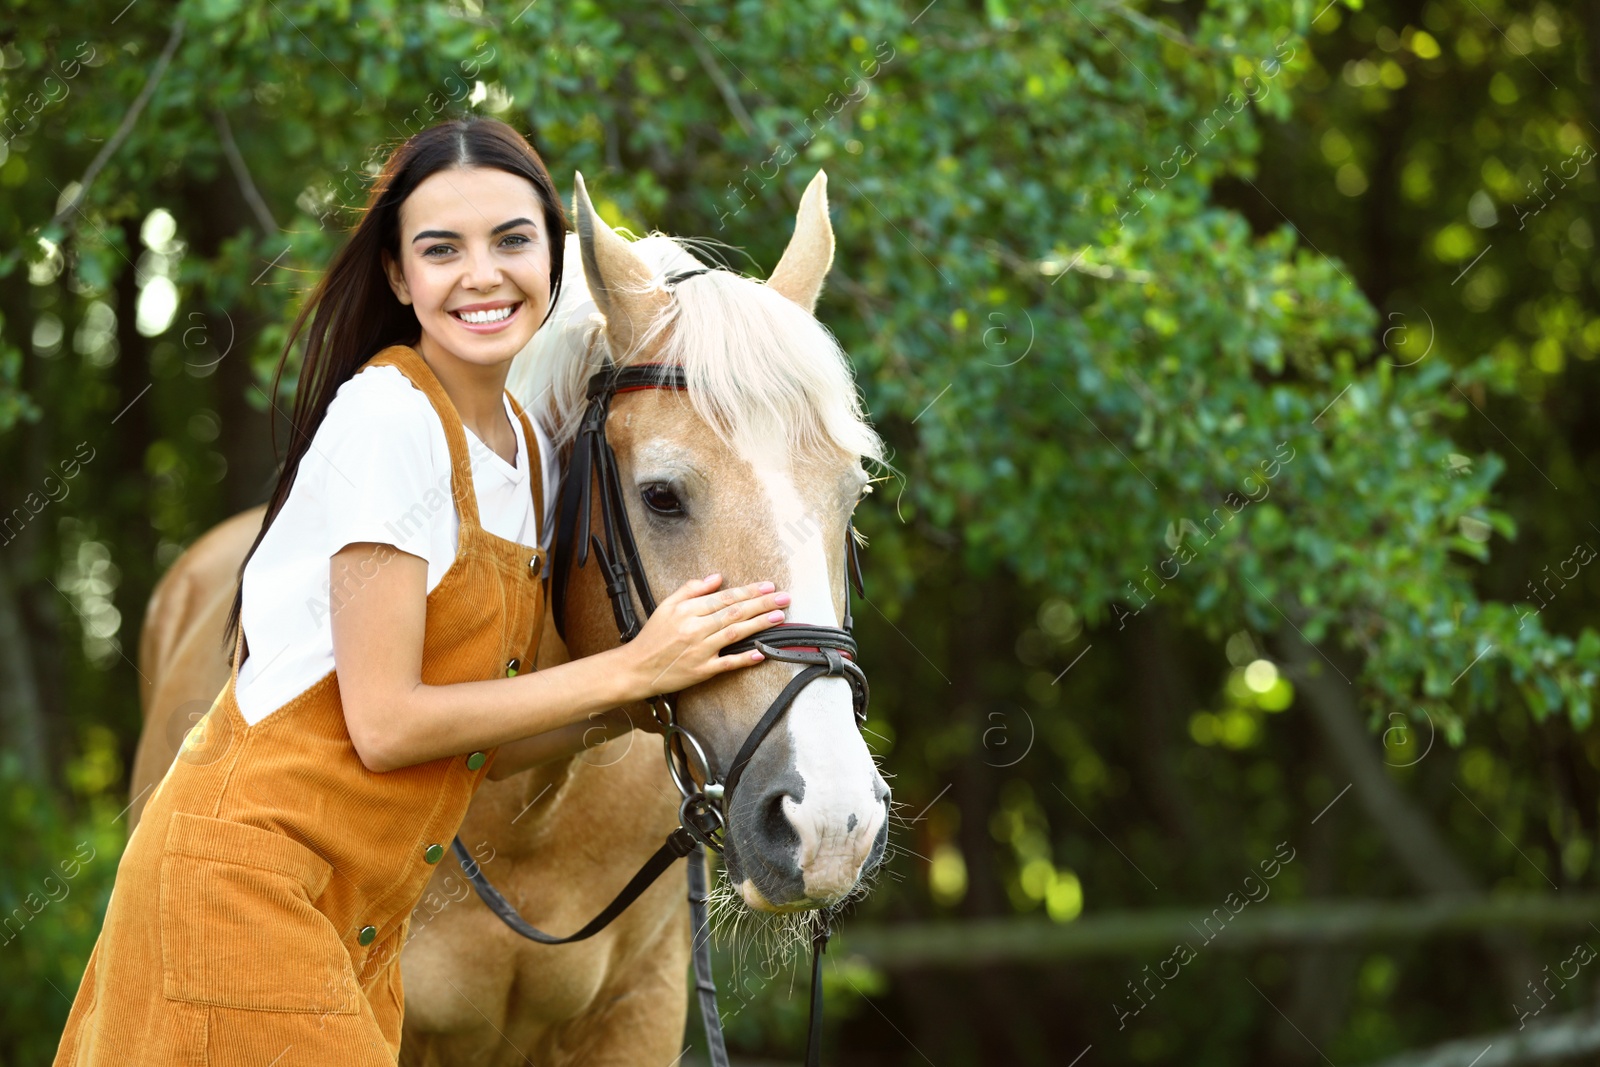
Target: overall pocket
(238,927)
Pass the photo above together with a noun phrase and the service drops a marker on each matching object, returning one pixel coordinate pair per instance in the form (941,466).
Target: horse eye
(660,499)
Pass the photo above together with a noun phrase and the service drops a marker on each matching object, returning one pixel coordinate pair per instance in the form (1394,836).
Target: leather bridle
(705,808)
(824,651)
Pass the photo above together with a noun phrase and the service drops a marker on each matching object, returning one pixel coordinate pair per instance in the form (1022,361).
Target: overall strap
(406,360)
(535,469)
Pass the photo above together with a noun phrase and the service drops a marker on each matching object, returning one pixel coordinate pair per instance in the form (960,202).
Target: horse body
(764,500)
(558,840)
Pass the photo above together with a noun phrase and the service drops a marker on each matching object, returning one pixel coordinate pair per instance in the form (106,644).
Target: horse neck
(547,789)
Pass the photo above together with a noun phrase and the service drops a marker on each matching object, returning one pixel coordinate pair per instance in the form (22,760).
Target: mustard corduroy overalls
(261,904)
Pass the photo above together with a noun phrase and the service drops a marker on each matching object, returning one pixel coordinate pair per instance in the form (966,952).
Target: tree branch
(708,63)
(1033,269)
(1151,25)
(1412,841)
(128,120)
(1411,837)
(241,173)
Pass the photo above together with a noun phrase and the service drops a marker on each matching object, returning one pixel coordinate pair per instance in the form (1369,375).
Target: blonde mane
(758,365)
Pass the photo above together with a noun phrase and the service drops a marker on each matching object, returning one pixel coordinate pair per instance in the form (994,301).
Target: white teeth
(497,315)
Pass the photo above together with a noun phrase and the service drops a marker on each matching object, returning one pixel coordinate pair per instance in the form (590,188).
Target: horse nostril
(775,823)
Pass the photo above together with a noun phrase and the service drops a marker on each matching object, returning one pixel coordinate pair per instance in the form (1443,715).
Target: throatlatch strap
(592,460)
(677,845)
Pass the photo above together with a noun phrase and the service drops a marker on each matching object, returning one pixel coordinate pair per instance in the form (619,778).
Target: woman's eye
(429,252)
(515,240)
(661,499)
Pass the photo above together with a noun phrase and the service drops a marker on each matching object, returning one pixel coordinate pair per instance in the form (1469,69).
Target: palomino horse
(753,471)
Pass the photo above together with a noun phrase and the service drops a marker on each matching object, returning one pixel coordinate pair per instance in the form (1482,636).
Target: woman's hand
(680,644)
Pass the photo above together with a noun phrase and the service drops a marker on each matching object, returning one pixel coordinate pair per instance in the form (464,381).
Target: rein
(703,814)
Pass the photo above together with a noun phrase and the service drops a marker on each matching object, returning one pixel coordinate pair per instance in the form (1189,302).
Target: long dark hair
(354,315)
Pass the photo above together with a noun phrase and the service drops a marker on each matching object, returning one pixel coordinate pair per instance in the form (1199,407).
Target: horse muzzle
(811,818)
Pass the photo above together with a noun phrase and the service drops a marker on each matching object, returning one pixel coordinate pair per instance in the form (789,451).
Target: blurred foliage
(53,889)
(1148,432)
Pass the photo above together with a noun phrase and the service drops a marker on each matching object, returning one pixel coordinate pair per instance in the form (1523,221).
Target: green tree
(1181,513)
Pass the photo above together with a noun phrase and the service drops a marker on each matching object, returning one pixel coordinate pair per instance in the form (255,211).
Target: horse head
(752,470)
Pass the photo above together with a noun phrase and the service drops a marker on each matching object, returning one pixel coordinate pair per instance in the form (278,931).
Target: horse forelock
(759,367)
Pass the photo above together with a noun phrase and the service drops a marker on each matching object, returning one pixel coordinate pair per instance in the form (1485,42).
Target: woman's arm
(396,721)
(600,727)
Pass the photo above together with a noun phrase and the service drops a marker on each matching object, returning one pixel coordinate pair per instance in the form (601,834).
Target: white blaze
(840,815)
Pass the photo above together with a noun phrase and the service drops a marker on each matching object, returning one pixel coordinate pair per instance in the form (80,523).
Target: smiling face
(474,264)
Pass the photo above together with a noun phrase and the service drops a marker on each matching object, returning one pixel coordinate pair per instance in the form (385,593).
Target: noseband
(706,805)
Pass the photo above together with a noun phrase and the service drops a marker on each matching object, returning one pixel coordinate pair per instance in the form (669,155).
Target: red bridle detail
(647,385)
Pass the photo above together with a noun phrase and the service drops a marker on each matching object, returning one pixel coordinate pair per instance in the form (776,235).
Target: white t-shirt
(378,470)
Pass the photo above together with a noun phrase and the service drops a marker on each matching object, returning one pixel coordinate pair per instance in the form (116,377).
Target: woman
(387,618)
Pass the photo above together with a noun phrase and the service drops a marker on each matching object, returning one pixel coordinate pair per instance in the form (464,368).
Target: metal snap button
(475,761)
(511,668)
(368,935)
(433,853)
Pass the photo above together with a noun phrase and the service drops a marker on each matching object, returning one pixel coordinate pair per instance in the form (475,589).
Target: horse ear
(800,273)
(622,284)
